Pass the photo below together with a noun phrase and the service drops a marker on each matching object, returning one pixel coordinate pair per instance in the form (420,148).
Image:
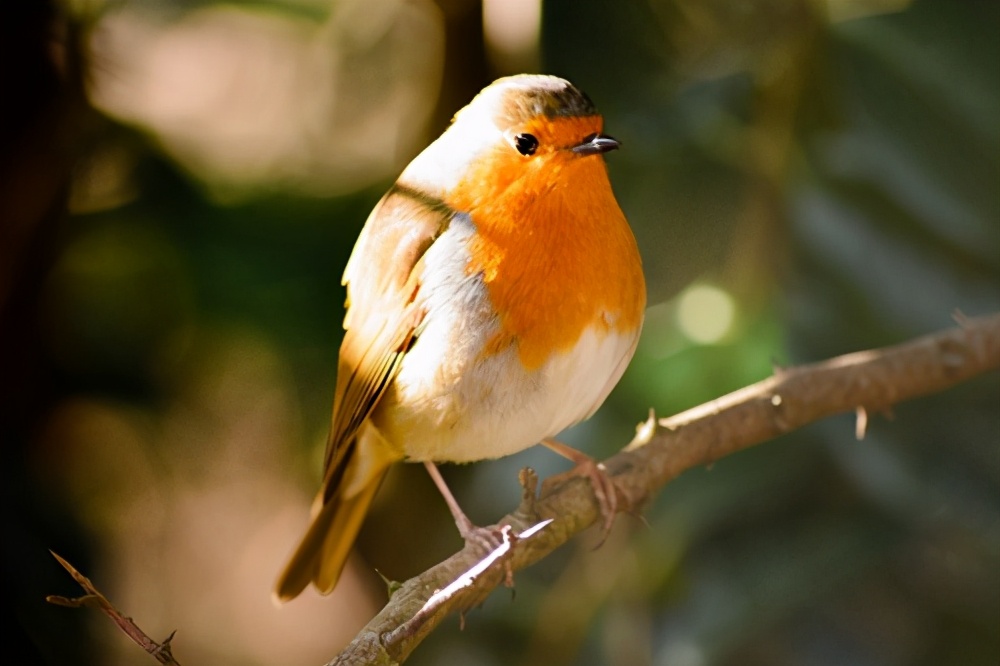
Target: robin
(494,298)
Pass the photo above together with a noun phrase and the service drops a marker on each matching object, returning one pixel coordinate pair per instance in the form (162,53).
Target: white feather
(451,403)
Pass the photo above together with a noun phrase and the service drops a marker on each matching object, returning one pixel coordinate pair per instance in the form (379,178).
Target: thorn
(861,422)
(666,423)
(164,647)
(644,432)
(391,586)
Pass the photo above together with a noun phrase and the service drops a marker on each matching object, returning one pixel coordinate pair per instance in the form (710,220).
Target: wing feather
(383,318)
(384,313)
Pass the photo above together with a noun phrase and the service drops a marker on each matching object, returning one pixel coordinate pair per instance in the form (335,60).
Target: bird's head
(538,130)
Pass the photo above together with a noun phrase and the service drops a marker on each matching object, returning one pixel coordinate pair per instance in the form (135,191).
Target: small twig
(94,599)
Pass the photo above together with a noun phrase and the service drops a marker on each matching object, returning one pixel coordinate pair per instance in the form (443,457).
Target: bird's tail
(339,510)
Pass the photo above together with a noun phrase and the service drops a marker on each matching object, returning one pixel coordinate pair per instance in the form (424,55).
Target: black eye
(526,144)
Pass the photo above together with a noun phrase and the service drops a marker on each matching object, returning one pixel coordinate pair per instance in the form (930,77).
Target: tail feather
(323,551)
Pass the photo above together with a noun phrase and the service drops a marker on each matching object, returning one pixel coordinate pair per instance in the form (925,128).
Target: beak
(596,144)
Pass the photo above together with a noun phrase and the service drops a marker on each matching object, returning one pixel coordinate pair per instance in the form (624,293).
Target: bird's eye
(526,144)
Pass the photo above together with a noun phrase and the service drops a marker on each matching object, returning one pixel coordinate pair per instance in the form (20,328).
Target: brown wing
(383,315)
(383,318)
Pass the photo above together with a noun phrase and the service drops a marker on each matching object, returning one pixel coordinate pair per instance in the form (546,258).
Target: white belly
(451,403)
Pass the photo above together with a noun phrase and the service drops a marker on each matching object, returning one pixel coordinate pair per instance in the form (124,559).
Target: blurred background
(181,183)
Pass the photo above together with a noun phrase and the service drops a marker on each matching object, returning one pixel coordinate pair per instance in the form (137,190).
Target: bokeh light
(705,313)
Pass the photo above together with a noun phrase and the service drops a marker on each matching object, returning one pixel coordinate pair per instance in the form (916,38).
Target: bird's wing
(384,314)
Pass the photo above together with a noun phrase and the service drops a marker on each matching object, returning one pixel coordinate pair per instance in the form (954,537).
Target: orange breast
(554,249)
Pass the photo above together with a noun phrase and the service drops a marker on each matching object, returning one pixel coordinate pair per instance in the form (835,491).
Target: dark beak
(596,144)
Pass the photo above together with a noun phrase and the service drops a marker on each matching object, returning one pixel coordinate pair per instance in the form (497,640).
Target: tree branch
(863,382)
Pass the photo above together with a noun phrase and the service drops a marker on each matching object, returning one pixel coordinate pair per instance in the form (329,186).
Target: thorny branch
(866,383)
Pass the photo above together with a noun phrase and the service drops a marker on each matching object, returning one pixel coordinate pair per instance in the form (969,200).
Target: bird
(495,296)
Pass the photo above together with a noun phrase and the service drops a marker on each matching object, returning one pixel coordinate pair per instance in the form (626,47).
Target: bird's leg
(585,466)
(486,538)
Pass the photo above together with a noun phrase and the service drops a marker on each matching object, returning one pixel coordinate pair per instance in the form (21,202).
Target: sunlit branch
(865,383)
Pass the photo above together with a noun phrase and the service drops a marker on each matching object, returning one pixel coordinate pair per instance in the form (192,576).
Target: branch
(94,599)
(871,381)
(862,382)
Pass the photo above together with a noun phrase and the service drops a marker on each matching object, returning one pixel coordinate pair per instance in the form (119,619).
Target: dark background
(181,184)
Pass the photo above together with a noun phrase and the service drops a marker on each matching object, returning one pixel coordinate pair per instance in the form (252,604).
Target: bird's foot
(603,485)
